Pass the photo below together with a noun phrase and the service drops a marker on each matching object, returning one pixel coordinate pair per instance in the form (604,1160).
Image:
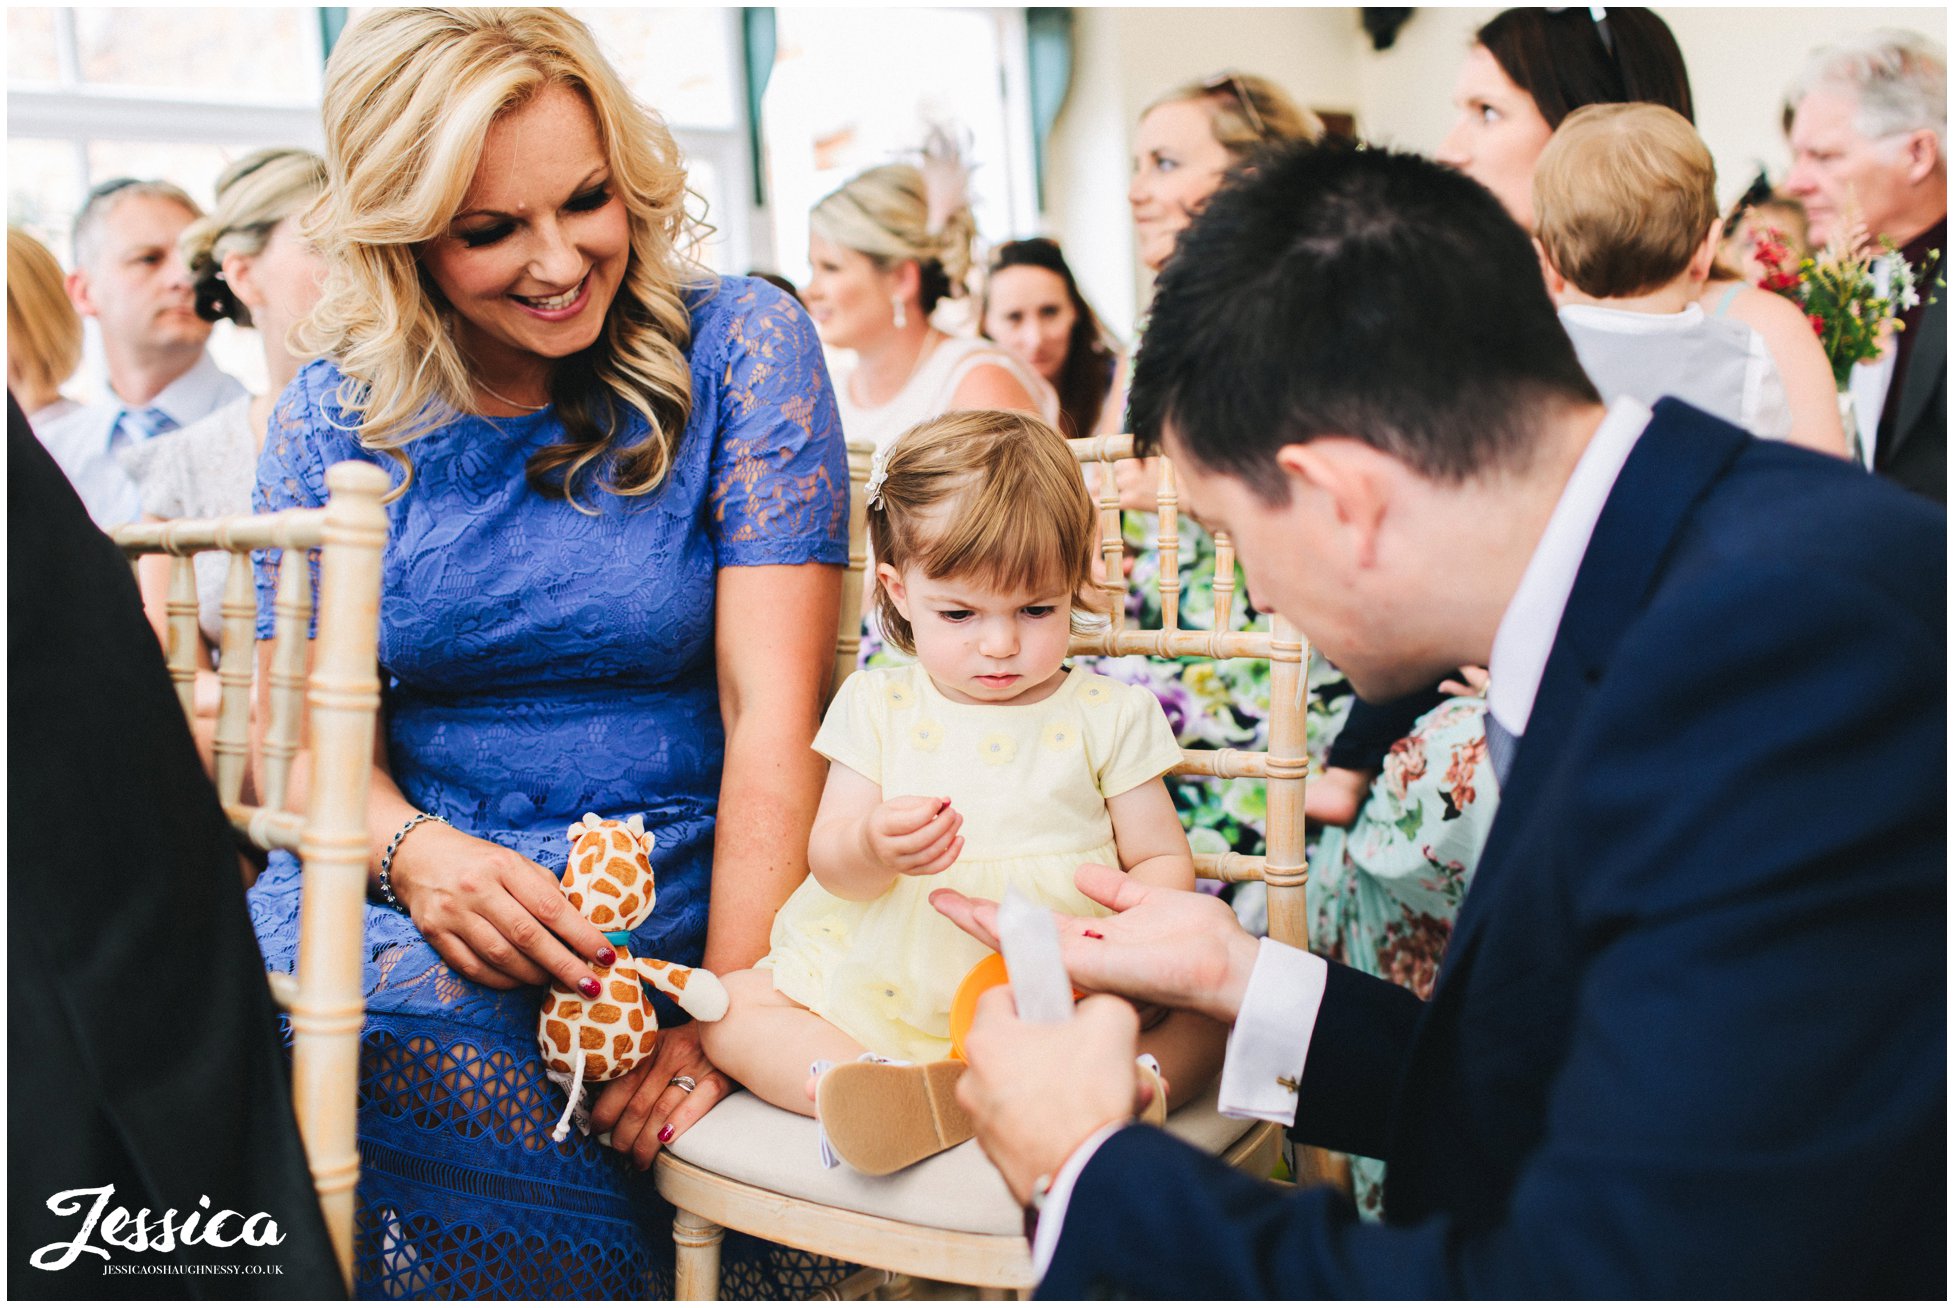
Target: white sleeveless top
(928,391)
(1718,364)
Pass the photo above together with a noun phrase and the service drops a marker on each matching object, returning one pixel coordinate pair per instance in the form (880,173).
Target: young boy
(1625,214)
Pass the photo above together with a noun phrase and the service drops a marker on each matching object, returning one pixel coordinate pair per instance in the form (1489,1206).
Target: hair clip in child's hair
(878,472)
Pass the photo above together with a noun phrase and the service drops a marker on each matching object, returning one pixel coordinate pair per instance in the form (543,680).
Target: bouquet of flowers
(1840,292)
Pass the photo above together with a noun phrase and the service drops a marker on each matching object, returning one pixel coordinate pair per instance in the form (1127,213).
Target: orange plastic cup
(989,972)
(963,1005)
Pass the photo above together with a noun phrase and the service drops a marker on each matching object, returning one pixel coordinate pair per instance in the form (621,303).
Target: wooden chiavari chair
(751,1167)
(330,712)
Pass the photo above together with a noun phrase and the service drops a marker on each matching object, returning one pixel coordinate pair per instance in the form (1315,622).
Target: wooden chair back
(331,710)
(854,588)
(1284,765)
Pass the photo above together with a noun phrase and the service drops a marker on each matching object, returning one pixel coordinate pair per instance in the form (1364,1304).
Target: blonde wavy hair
(989,494)
(899,212)
(254,195)
(410,95)
(43,329)
(1240,104)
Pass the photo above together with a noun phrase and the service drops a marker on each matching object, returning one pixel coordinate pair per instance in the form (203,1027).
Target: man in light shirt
(1688,1039)
(130,279)
(1868,145)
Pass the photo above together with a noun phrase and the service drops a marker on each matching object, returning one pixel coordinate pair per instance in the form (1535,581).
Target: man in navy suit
(1689,1037)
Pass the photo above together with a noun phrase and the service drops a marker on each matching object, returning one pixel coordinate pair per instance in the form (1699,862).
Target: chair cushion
(748,1140)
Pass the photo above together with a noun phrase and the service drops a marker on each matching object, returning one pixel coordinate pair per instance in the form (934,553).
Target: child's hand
(915,835)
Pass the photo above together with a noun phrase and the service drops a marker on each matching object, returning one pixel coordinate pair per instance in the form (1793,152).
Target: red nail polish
(665,1133)
(1094,935)
(606,956)
(590,987)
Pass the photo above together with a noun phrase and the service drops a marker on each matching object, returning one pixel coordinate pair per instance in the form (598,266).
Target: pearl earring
(902,312)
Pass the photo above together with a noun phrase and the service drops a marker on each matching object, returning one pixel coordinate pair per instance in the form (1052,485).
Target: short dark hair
(1567,58)
(1357,292)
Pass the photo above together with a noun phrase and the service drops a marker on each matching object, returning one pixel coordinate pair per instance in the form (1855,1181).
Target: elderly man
(1868,142)
(1689,1036)
(129,278)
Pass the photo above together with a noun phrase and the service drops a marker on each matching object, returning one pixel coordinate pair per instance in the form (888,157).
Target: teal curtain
(332,21)
(757,51)
(1048,48)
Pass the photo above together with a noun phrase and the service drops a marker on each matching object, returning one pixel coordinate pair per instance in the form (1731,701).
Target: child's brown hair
(987,494)
(1622,198)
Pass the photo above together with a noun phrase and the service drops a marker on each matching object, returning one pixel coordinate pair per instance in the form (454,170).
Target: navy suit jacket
(1689,1036)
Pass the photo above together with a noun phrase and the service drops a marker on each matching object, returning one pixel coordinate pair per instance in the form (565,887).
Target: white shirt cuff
(1270,1040)
(1051,1215)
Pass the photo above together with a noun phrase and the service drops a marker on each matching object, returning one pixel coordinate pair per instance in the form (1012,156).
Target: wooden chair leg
(697,1271)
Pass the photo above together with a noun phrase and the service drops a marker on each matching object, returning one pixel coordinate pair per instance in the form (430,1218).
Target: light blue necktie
(135,425)
(1501,746)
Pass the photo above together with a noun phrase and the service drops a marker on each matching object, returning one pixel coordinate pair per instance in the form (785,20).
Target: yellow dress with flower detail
(1031,782)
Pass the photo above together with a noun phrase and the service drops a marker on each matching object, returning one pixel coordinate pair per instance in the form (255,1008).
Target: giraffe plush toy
(609,881)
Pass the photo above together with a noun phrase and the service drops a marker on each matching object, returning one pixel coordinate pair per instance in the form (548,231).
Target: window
(855,88)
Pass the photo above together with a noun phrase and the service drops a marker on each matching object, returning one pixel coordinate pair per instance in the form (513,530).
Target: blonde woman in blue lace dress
(610,584)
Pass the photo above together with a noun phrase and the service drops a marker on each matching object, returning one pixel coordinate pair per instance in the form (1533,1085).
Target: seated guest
(43,331)
(1033,308)
(1869,144)
(253,265)
(613,577)
(143,1046)
(1385,890)
(1188,142)
(1689,1036)
(886,248)
(1528,70)
(129,278)
(1625,212)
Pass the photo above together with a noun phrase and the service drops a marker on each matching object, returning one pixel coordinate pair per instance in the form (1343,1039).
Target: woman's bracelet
(387,859)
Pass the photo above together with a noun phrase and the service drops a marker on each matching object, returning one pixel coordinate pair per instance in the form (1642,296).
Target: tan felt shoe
(881,1117)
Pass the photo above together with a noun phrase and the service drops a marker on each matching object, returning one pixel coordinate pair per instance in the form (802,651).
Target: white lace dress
(205,470)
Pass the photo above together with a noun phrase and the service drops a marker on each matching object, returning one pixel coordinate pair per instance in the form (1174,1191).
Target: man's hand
(1037,1090)
(1178,948)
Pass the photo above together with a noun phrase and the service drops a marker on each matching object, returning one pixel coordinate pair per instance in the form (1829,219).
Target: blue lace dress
(539,662)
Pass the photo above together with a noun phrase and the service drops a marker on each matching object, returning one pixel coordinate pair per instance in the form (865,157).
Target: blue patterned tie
(1501,746)
(135,425)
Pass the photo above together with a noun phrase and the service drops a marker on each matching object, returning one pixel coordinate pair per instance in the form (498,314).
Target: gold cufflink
(1288,1083)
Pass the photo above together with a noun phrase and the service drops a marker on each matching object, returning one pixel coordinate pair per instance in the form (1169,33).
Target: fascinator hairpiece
(946,179)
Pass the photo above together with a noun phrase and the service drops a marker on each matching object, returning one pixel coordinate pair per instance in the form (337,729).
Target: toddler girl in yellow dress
(986,766)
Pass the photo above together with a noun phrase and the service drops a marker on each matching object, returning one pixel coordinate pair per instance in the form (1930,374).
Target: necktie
(135,425)
(1501,746)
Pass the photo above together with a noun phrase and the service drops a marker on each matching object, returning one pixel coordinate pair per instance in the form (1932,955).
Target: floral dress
(539,662)
(1384,892)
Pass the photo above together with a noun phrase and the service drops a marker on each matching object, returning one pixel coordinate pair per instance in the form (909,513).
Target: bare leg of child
(1334,798)
(766,1041)
(1189,1048)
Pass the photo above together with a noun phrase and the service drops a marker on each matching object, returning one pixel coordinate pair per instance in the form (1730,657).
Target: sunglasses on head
(1232,84)
(1601,29)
